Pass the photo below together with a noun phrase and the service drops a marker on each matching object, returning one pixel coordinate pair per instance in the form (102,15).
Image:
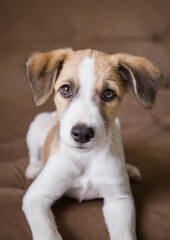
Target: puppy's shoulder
(51,144)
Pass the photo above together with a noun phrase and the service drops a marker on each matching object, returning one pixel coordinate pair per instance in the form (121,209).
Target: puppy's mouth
(83,147)
(80,147)
(76,146)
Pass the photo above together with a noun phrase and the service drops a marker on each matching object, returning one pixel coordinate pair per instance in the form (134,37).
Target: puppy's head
(89,86)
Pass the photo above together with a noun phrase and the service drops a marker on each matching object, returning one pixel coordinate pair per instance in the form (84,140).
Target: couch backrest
(136,27)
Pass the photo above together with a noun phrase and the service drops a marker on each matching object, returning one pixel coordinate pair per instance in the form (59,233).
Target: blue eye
(66,91)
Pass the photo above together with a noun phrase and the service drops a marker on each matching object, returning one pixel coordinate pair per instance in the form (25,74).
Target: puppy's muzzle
(82,134)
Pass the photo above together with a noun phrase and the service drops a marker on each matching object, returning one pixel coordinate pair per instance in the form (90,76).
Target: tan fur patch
(145,77)
(41,72)
(51,144)
(108,78)
(69,73)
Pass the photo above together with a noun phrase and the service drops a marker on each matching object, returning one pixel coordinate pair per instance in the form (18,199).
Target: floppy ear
(42,71)
(141,75)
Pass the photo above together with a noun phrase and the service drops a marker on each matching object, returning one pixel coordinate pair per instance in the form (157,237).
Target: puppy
(78,149)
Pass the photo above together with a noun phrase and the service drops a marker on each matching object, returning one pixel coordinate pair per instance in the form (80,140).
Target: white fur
(133,173)
(99,172)
(35,139)
(83,109)
(87,78)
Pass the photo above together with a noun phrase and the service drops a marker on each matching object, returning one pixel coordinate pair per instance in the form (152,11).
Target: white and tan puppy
(78,149)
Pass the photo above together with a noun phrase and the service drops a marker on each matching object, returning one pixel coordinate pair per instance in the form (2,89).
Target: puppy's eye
(66,91)
(108,95)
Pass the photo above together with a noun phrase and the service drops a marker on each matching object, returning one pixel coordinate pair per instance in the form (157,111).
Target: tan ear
(42,71)
(141,75)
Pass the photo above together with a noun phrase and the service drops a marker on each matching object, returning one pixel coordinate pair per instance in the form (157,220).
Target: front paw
(48,236)
(58,237)
(125,237)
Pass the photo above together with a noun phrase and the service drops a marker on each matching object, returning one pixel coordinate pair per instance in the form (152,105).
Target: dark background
(135,27)
(132,26)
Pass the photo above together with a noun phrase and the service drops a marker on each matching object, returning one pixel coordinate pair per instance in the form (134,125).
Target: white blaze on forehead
(87,78)
(82,108)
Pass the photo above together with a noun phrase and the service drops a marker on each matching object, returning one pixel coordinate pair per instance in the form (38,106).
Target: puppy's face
(88,93)
(89,87)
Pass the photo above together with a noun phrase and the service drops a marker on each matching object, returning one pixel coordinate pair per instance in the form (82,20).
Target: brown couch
(137,27)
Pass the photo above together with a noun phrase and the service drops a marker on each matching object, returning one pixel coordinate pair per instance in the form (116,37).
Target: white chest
(100,173)
(96,181)
(83,188)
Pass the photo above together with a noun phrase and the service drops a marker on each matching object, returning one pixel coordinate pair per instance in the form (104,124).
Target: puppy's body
(82,149)
(35,140)
(99,173)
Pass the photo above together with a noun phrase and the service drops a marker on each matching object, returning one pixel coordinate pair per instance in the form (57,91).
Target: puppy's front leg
(119,213)
(50,185)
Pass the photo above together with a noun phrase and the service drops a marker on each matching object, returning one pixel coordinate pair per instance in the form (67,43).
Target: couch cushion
(12,220)
(85,220)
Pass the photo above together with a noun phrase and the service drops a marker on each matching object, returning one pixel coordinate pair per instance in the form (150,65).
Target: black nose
(82,133)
